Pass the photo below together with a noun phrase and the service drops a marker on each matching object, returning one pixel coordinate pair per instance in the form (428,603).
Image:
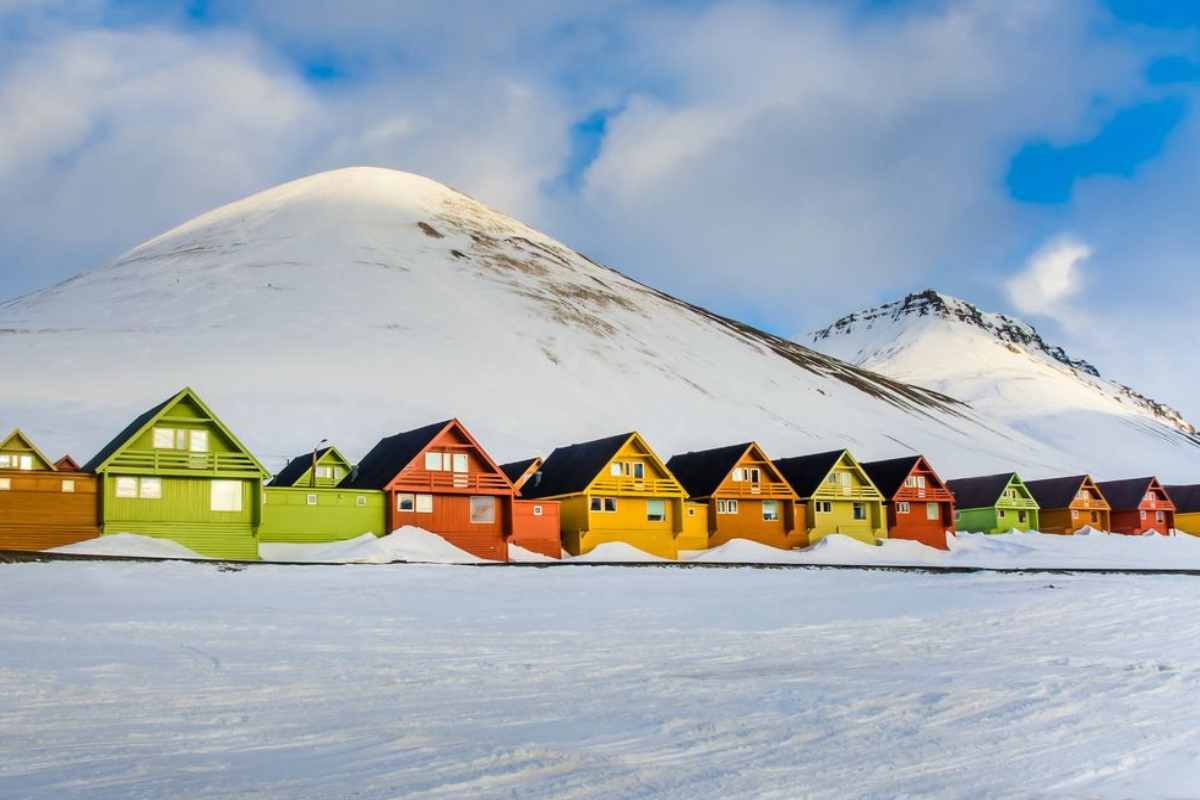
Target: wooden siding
(287,515)
(1188,523)
(842,497)
(1018,513)
(540,533)
(36,514)
(786,532)
(916,524)
(1144,518)
(451,519)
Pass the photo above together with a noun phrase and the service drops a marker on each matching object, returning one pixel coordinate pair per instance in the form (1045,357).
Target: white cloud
(1051,279)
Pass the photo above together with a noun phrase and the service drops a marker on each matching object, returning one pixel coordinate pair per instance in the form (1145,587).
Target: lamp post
(312,474)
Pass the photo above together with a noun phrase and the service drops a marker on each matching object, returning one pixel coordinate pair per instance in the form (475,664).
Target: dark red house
(1139,505)
(919,506)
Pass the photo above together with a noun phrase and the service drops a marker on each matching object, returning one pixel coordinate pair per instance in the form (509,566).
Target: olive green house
(304,505)
(994,504)
(177,472)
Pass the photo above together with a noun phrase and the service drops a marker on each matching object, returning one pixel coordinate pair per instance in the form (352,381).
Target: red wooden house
(536,523)
(919,506)
(440,479)
(1139,505)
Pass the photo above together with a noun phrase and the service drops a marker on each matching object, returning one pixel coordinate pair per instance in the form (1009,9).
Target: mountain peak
(932,303)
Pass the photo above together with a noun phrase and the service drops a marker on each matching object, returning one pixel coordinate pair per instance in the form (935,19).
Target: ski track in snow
(182,680)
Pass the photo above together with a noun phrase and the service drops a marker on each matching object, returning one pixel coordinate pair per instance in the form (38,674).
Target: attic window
(739,474)
(26,462)
(324,472)
(6,461)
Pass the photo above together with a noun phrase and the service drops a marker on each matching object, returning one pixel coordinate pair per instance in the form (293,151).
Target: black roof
(888,475)
(1186,498)
(702,472)
(297,467)
(1055,492)
(805,473)
(1125,494)
(515,469)
(124,435)
(390,455)
(570,469)
(982,492)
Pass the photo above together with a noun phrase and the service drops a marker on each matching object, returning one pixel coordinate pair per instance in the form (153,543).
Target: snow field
(181,680)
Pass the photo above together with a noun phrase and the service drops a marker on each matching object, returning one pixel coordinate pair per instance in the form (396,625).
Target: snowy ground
(182,680)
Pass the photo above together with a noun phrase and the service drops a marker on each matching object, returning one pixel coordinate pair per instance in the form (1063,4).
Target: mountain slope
(1003,368)
(356,303)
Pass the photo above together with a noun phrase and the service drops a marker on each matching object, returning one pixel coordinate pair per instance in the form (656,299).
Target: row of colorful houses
(178,472)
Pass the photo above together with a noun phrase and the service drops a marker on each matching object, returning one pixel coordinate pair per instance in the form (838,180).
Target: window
(610,505)
(406,502)
(902,508)
(1020,516)
(26,462)
(920,481)
(151,489)
(833,479)
(1002,514)
(770,510)
(754,474)
(537,511)
(338,474)
(311,499)
(198,441)
(597,504)
(226,496)
(127,487)
(639,471)
(164,438)
(932,511)
(739,474)
(433,462)
(459,462)
(5,484)
(656,510)
(1143,513)
(360,501)
(691,512)
(727,506)
(911,481)
(1160,517)
(483,510)
(1074,513)
(424,503)
(860,511)
(1095,517)
(614,469)
(824,507)
(6,460)
(325,472)
(68,486)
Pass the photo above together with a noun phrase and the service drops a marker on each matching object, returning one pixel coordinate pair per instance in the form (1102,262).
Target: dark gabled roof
(1127,493)
(1186,498)
(702,472)
(982,492)
(387,458)
(888,475)
(297,467)
(805,473)
(515,469)
(1056,492)
(124,436)
(570,469)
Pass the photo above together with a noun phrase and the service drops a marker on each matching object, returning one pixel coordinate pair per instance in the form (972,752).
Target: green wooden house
(303,503)
(994,504)
(177,472)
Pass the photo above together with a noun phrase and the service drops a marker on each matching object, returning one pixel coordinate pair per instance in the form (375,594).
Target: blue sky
(784,162)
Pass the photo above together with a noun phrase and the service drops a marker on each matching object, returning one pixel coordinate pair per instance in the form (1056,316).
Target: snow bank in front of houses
(519,555)
(616,552)
(129,545)
(404,544)
(743,551)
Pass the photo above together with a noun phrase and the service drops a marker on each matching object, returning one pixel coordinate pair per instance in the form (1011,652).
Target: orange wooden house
(1070,504)
(440,479)
(42,507)
(1139,505)
(746,495)
(919,506)
(536,523)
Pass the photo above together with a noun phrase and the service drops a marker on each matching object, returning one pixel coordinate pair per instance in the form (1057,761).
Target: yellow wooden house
(838,496)
(618,490)
(1187,507)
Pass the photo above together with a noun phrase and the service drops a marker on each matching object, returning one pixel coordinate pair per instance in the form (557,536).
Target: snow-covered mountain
(356,303)
(1008,373)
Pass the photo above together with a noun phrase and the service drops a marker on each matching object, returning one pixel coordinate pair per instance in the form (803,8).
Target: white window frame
(903,507)
(6,461)
(614,469)
(310,499)
(232,506)
(457,459)
(125,488)
(774,516)
(433,461)
(68,486)
(423,504)
(824,507)
(727,506)
(596,505)
(739,474)
(324,472)
(911,482)
(661,517)
(158,435)
(754,474)
(921,482)
(26,463)
(197,441)
(484,519)
(537,510)
(639,471)
(933,511)
(403,499)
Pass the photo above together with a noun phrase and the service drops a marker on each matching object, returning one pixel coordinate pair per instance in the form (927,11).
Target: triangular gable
(383,467)
(66,464)
(849,460)
(1089,483)
(148,419)
(519,472)
(760,457)
(981,492)
(18,442)
(298,468)
(638,443)
(1155,484)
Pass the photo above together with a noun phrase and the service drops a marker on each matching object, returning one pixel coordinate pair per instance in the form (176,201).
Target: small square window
(5,484)
(433,462)
(902,508)
(424,504)
(360,501)
(770,511)
(537,511)
(311,499)
(406,502)
(691,512)
(459,462)
(739,474)
(614,469)
(324,472)
(68,486)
